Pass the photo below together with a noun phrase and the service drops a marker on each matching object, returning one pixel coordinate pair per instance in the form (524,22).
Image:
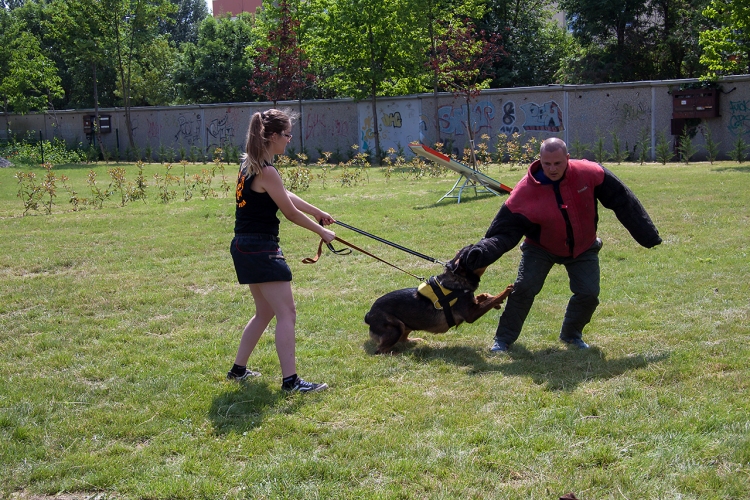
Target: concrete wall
(582,113)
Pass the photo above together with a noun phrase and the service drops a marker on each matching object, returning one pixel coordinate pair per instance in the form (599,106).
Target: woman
(255,251)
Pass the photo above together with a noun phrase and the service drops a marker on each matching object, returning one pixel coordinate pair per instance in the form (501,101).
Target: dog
(444,301)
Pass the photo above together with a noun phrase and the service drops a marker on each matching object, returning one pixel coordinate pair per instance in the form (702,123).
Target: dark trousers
(583,273)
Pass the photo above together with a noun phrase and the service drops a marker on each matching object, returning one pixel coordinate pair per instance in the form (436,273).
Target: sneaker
(579,343)
(499,346)
(300,385)
(244,376)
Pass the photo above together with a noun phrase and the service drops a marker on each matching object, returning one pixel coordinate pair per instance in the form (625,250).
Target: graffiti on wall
(509,126)
(629,114)
(392,120)
(220,131)
(453,119)
(152,129)
(739,122)
(188,129)
(547,117)
(316,125)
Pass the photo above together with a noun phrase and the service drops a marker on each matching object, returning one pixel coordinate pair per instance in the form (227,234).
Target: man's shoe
(300,385)
(239,378)
(499,346)
(579,343)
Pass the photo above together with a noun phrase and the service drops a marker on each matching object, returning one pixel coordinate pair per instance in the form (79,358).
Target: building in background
(234,7)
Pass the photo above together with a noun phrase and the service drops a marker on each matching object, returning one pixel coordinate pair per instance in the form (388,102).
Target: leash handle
(313,260)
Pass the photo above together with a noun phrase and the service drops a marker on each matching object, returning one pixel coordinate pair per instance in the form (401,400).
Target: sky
(209,4)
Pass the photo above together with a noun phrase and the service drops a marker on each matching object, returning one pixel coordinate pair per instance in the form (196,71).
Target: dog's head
(460,275)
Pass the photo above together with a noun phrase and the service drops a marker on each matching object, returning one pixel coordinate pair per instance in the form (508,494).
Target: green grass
(117,327)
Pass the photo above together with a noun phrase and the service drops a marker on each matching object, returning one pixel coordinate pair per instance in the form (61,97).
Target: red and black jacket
(562,217)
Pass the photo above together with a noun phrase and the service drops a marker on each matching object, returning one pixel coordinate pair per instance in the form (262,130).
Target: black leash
(394,245)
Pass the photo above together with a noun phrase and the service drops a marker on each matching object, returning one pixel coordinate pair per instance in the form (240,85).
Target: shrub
(663,149)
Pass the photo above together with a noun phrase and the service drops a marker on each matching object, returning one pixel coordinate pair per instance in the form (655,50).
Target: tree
(216,68)
(463,63)
(431,21)
(534,42)
(726,47)
(152,81)
(371,48)
(28,79)
(182,25)
(280,69)
(134,24)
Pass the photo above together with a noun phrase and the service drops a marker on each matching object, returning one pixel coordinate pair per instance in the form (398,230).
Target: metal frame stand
(468,182)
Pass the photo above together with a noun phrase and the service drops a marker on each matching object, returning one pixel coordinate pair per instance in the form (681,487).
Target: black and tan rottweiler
(443,301)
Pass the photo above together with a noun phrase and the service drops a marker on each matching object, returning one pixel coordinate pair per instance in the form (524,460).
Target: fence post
(41,145)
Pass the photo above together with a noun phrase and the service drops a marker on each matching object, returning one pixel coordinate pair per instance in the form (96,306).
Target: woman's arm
(271,182)
(306,207)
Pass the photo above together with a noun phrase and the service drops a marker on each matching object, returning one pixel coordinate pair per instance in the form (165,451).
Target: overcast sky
(209,4)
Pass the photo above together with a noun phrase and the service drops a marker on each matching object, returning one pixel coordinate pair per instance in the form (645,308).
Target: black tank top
(255,212)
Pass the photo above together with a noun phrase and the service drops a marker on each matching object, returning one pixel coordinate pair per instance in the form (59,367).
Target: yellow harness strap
(426,290)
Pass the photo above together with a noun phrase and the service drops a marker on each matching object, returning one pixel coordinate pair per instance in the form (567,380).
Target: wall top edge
(509,90)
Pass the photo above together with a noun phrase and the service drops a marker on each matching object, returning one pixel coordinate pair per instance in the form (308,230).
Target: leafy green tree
(134,24)
(152,80)
(534,42)
(371,49)
(217,67)
(431,22)
(28,79)
(726,47)
(463,61)
(182,24)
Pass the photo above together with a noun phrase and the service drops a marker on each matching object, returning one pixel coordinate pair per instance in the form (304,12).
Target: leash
(343,251)
(394,245)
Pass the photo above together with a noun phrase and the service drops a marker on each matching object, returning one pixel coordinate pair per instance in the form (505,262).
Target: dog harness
(441,297)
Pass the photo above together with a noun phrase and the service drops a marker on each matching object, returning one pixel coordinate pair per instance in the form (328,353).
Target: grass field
(117,327)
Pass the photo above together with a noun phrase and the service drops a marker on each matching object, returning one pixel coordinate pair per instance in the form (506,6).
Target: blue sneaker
(499,346)
(579,343)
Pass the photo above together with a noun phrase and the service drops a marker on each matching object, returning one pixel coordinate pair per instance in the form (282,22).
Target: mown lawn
(117,327)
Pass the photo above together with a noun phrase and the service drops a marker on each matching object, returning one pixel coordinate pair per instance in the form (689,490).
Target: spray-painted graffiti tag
(739,122)
(547,116)
(188,131)
(392,120)
(220,131)
(453,120)
(509,119)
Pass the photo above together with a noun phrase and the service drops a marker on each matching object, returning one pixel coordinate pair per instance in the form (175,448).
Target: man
(555,207)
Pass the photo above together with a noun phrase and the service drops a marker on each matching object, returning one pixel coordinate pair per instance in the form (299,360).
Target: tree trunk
(95,125)
(374,93)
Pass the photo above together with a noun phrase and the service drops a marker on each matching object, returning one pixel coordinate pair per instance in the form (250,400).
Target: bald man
(555,207)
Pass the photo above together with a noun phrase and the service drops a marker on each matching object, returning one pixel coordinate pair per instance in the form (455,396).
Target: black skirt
(258,259)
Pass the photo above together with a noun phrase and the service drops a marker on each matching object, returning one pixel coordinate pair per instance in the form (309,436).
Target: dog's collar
(442,298)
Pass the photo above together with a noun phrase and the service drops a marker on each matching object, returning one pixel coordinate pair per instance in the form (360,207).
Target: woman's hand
(327,235)
(325,219)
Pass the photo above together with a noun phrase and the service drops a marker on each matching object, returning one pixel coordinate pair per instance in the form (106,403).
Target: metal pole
(41,145)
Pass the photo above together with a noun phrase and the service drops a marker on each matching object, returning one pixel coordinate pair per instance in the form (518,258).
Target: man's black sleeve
(504,233)
(616,196)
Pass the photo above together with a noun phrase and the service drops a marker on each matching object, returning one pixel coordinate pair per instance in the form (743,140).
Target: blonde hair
(262,126)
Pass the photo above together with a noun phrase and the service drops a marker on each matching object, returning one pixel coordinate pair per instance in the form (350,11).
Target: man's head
(554,158)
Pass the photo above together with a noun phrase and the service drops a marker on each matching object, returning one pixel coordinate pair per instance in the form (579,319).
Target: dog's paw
(482,297)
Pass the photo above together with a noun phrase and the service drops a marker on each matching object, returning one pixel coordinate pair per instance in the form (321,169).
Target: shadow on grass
(244,406)
(558,368)
(745,169)
(464,199)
